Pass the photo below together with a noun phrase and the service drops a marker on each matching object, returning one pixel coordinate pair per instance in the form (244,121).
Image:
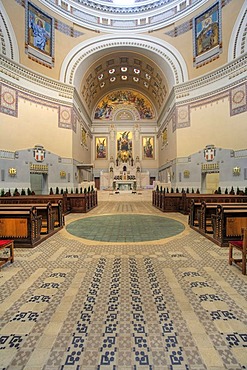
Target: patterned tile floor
(79,304)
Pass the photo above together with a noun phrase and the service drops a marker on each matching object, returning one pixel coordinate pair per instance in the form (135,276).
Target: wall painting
(124,146)
(124,99)
(207,35)
(39,38)
(148,147)
(101,147)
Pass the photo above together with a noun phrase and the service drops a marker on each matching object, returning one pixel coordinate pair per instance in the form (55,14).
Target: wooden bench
(181,202)
(22,224)
(43,210)
(209,209)
(7,244)
(228,223)
(82,203)
(38,199)
(241,246)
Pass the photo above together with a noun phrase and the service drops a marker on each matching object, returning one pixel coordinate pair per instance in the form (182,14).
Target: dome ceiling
(123,15)
(123,70)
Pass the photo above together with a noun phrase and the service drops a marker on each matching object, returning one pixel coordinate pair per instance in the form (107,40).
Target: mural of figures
(124,146)
(124,98)
(39,29)
(101,147)
(148,147)
(207,33)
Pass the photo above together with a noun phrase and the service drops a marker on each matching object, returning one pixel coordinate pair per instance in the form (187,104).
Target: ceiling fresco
(124,100)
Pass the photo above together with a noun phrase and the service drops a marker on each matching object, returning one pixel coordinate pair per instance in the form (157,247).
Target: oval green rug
(126,228)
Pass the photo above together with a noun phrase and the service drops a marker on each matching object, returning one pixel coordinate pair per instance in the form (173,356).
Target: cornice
(18,72)
(40,86)
(205,89)
(236,68)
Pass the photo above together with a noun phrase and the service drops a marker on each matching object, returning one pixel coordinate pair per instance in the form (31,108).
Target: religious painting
(39,35)
(164,137)
(101,147)
(125,100)
(83,137)
(148,147)
(124,146)
(207,35)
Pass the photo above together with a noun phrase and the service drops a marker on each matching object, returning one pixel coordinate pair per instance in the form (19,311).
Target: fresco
(124,98)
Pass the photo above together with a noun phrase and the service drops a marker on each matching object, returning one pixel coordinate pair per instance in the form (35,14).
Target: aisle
(89,305)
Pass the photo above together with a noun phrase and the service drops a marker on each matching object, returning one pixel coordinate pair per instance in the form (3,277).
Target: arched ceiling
(141,63)
(124,70)
(135,66)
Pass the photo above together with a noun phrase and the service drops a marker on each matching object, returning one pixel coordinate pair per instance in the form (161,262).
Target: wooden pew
(39,201)
(22,224)
(181,202)
(46,211)
(228,223)
(82,203)
(209,209)
(209,198)
(194,213)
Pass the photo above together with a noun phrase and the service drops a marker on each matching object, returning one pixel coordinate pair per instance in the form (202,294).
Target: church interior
(104,106)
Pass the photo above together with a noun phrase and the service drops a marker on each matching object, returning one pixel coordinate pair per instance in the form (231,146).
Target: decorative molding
(182,116)
(8,42)
(8,100)
(238,99)
(238,40)
(65,117)
(231,70)
(17,71)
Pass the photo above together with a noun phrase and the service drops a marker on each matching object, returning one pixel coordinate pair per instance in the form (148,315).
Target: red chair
(7,244)
(240,245)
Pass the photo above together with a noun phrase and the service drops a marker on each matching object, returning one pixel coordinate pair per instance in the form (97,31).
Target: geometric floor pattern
(78,304)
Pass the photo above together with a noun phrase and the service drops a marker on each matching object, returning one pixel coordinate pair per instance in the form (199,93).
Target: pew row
(52,217)
(218,222)
(181,202)
(201,212)
(228,224)
(73,203)
(22,224)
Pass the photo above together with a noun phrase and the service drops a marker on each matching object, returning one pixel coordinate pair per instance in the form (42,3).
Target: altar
(124,176)
(125,185)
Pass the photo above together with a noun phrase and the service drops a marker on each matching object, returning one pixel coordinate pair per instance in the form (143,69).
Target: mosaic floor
(171,303)
(128,228)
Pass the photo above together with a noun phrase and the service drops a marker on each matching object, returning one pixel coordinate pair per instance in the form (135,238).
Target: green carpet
(125,228)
